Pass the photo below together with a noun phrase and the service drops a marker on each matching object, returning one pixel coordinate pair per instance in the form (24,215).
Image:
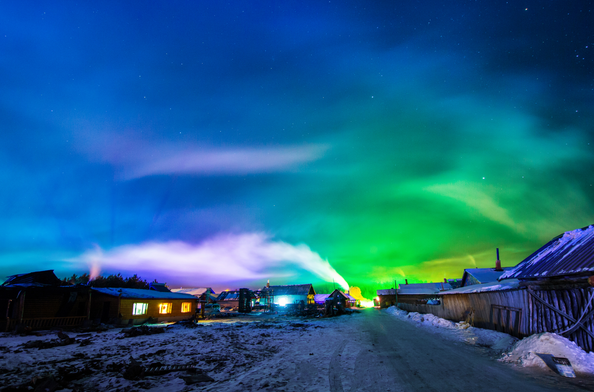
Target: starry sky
(226,143)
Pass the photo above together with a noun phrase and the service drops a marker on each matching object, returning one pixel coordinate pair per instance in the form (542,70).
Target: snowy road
(375,351)
(368,351)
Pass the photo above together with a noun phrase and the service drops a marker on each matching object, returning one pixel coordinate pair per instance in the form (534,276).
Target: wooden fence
(568,311)
(43,323)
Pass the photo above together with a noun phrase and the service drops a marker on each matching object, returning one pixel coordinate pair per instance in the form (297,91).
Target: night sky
(223,144)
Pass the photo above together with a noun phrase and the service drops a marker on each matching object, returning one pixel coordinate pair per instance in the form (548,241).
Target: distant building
(161,287)
(420,293)
(230,299)
(481,275)
(287,294)
(386,298)
(349,300)
(204,294)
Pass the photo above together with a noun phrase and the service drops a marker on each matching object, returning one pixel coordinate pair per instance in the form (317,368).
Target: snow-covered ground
(519,352)
(98,361)
(372,351)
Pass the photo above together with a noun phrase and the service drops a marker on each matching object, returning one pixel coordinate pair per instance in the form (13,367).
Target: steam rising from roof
(220,260)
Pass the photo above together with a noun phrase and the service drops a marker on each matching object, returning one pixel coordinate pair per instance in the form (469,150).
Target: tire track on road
(335,371)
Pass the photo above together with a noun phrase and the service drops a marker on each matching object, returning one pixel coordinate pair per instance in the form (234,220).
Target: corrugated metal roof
(141,293)
(570,253)
(423,288)
(483,275)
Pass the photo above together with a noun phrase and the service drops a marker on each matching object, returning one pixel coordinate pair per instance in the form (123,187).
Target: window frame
(144,308)
(189,305)
(168,307)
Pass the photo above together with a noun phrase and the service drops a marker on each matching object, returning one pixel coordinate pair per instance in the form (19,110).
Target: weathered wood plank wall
(519,313)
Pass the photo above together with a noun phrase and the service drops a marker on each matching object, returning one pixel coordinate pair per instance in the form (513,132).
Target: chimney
(498,263)
(405,281)
(268,284)
(445,280)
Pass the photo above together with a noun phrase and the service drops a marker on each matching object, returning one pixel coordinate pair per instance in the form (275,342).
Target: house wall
(126,306)
(104,308)
(290,299)
(387,300)
(55,302)
(517,311)
(108,309)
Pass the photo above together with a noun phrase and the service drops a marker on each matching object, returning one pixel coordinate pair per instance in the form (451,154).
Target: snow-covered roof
(570,253)
(423,288)
(482,275)
(386,292)
(141,293)
(37,278)
(290,289)
(320,298)
(507,284)
(195,291)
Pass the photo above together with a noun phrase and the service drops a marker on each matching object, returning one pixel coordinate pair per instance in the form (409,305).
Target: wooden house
(136,306)
(349,301)
(552,290)
(420,293)
(386,298)
(205,295)
(287,294)
(37,300)
(234,299)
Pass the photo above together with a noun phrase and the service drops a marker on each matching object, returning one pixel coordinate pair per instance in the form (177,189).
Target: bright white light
(282,301)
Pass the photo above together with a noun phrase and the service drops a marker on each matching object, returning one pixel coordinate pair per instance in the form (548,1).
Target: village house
(386,298)
(345,298)
(205,295)
(242,300)
(421,293)
(287,294)
(136,306)
(36,300)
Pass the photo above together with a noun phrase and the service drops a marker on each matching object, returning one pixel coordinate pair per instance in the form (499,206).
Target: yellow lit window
(186,307)
(165,308)
(139,308)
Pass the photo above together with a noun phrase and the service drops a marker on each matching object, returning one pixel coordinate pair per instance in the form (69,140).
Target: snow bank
(524,352)
(519,352)
(458,331)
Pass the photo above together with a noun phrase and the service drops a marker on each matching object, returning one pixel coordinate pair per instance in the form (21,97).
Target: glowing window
(186,307)
(139,308)
(165,308)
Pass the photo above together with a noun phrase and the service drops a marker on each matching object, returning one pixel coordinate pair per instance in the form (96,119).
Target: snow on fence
(567,311)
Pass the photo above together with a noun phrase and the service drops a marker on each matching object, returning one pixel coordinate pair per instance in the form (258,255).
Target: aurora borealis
(401,139)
